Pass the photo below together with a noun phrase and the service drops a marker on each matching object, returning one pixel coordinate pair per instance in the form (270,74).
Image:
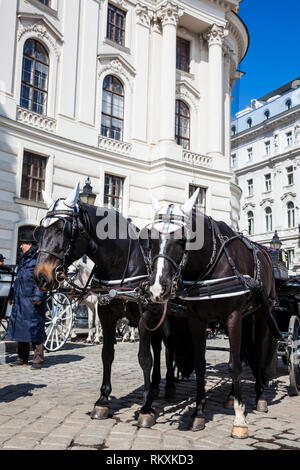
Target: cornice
(266,125)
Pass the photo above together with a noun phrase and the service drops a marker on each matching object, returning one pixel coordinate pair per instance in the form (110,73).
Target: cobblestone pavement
(50,408)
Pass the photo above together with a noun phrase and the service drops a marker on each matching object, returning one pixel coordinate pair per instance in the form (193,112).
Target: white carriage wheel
(294,359)
(59,321)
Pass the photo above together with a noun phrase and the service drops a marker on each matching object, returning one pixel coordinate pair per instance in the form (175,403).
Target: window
(250,217)
(268,182)
(201,199)
(112,108)
(268,147)
(291,214)
(249,123)
(289,139)
(45,2)
(183,54)
(113,192)
(233,130)
(35,71)
(182,124)
(290,175)
(269,222)
(250,154)
(233,160)
(250,187)
(291,256)
(288,103)
(33,176)
(267,114)
(116,24)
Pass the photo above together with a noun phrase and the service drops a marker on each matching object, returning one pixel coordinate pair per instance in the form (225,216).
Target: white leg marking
(239,410)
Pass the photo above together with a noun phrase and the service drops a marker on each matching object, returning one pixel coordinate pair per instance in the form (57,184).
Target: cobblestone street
(50,409)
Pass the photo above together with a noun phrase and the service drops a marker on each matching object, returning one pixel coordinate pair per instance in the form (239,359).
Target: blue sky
(273,57)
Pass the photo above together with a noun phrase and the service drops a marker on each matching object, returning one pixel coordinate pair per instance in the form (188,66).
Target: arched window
(35,72)
(291,214)
(112,118)
(269,221)
(182,124)
(250,216)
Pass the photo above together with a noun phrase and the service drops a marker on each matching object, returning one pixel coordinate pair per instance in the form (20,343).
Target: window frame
(181,55)
(111,116)
(25,177)
(32,86)
(268,147)
(112,37)
(268,182)
(178,118)
(112,196)
(233,160)
(291,215)
(250,154)
(202,192)
(250,220)
(289,138)
(269,219)
(290,175)
(250,187)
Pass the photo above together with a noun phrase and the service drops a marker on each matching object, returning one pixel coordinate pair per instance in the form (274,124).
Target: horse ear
(155,204)
(47,200)
(72,199)
(188,206)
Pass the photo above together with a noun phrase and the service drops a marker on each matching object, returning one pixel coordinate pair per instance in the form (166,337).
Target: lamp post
(87,196)
(275,242)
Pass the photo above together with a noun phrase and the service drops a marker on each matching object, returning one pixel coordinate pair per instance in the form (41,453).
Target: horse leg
(108,321)
(198,332)
(90,324)
(156,375)
(147,414)
(132,334)
(234,328)
(98,329)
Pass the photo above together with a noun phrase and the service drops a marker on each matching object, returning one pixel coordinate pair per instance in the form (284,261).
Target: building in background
(133,94)
(265,156)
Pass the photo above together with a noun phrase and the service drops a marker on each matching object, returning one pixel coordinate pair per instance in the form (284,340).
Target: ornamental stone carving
(143,15)
(40,31)
(215,35)
(169,13)
(117,67)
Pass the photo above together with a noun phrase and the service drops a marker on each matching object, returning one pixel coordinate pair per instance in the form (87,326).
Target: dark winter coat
(27,320)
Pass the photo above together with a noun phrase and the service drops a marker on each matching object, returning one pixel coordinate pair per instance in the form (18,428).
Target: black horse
(69,231)
(245,285)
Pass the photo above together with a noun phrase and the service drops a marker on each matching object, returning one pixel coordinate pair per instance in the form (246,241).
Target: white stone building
(89,87)
(265,156)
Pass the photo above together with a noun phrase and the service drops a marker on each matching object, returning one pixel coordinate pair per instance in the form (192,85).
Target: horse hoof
(239,432)
(229,404)
(100,412)
(170,392)
(146,421)
(262,406)
(198,424)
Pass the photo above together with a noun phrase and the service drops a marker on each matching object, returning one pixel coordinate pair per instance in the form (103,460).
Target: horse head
(58,239)
(168,238)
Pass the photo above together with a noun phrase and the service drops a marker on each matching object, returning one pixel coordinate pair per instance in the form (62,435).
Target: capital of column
(169,14)
(215,35)
(143,15)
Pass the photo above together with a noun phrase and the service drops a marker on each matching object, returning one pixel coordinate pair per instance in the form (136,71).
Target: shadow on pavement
(12,392)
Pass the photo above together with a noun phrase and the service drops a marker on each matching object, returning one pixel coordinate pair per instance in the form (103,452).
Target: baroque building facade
(265,156)
(134,94)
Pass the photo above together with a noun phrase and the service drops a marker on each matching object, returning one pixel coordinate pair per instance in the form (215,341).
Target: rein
(160,321)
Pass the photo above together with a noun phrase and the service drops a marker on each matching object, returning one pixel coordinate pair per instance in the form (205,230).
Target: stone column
(169,15)
(227,105)
(215,38)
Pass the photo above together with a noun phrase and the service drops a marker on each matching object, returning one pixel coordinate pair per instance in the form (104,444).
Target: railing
(196,159)
(36,120)
(113,145)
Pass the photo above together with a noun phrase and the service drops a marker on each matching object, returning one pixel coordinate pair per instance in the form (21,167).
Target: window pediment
(40,27)
(289,194)
(185,91)
(116,64)
(266,201)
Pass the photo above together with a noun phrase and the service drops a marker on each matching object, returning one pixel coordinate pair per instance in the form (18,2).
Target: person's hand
(37,302)
(11,302)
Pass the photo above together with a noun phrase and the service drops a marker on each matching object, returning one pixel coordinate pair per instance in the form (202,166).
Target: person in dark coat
(27,319)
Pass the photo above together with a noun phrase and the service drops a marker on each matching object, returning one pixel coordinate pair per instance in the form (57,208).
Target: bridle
(184,223)
(72,228)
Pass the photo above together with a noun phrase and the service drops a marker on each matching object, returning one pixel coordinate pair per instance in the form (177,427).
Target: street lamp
(275,242)
(87,196)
